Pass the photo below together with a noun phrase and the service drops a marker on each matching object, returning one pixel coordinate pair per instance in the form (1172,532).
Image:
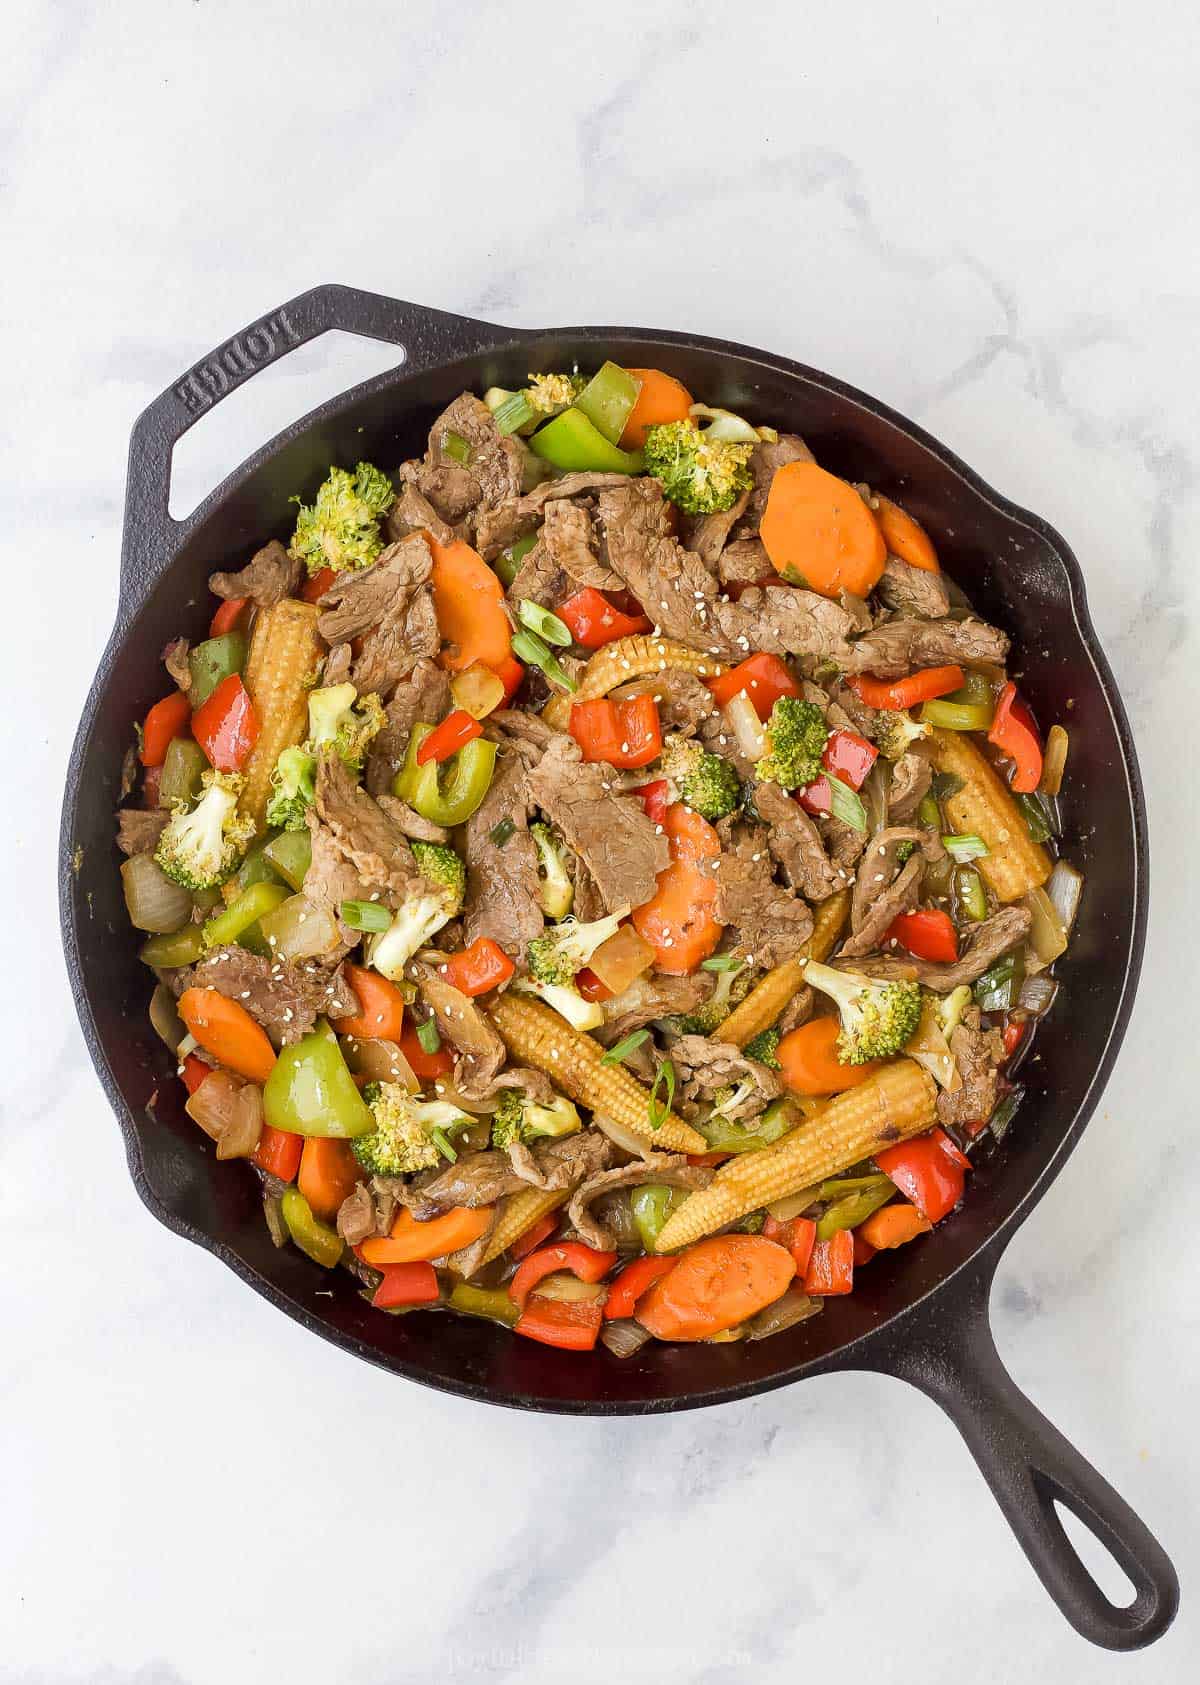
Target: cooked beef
(464,1025)
(979,1054)
(895,647)
(474,1179)
(499,525)
(783,620)
(911,777)
(771,923)
(851,711)
(655,995)
(359,601)
(452,490)
(357,1218)
(570,542)
(269,576)
(524,734)
(684,701)
(372,842)
(285,999)
(539,578)
(797,1011)
(704,1067)
(620,846)
(843,843)
(483,1178)
(982,946)
(884,888)
(394,648)
(745,562)
(423,696)
(139,828)
(795,844)
(718,739)
(708,535)
(175,660)
(568,485)
(912,590)
(413,512)
(502,879)
(496,462)
(331,879)
(338,662)
(561,1163)
(672,1169)
(766,459)
(586,904)
(414,825)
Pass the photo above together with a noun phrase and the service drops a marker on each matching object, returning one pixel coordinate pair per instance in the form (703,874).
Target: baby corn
(631,658)
(767,999)
(520,1212)
(1014,863)
(535,1035)
(284,652)
(898,1101)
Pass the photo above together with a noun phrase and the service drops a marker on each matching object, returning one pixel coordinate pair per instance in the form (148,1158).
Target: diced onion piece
(378,1061)
(794,1306)
(273,1212)
(930,1048)
(477,690)
(793,1205)
(444,1089)
(154,903)
(623,1337)
(167,1023)
(569,1288)
(723,424)
(1037,995)
(622,1136)
(746,726)
(230,1112)
(297,930)
(622,959)
(1047,936)
(1064,889)
(1054,761)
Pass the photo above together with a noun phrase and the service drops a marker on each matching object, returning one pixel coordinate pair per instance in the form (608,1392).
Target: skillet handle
(1030,1466)
(426,337)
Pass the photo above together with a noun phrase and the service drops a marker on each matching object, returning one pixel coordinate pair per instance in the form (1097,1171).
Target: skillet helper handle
(1030,1466)
(425,336)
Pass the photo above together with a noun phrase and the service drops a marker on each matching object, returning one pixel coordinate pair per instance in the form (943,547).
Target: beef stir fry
(599,875)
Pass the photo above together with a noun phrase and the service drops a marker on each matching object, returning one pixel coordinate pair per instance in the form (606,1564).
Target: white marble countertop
(983,215)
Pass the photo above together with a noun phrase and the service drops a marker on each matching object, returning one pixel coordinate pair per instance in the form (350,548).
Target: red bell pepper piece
(798,1236)
(533,1237)
(424,1064)
(572,1325)
(476,969)
(906,693)
(632,1282)
(317,585)
(595,621)
(455,731)
(816,797)
(764,678)
(850,758)
(226,726)
(582,1261)
(228,615)
(167,719)
(625,734)
(510,673)
(654,799)
(590,986)
(194,1072)
(929,1171)
(278,1152)
(928,933)
(1014,1035)
(1015,735)
(863,1250)
(831,1267)
(406,1284)
(707,1161)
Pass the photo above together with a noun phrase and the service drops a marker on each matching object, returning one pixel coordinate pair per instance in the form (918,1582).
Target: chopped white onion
(746,726)
(1064,889)
(622,1137)
(623,1336)
(723,424)
(794,1306)
(154,903)
(1037,994)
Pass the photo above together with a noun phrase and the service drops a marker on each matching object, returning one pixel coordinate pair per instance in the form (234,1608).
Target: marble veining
(981,215)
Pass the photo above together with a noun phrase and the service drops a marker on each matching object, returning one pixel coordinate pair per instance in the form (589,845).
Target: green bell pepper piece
(652,1204)
(310,1091)
(256,868)
(928,813)
(724,1136)
(490,1302)
(508,561)
(607,399)
(854,1209)
(183,767)
(321,1243)
(213,660)
(290,855)
(247,909)
(447,794)
(571,442)
(180,947)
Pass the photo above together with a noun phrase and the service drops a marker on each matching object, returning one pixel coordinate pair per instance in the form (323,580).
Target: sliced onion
(154,903)
(795,1306)
(445,1089)
(614,1211)
(273,1212)
(379,1061)
(296,930)
(1047,934)
(1054,761)
(621,1136)
(874,794)
(723,424)
(1037,995)
(1064,889)
(623,1336)
(930,1049)
(477,690)
(568,1288)
(622,959)
(230,1112)
(792,1205)
(165,1019)
(746,726)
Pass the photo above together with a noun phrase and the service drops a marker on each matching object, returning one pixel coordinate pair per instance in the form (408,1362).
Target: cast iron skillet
(920,1313)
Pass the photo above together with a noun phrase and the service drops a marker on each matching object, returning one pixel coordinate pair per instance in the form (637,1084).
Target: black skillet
(920,1313)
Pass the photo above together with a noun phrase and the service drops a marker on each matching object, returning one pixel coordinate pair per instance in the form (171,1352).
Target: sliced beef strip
(568,485)
(895,647)
(408,635)
(413,824)
(797,1011)
(655,995)
(912,590)
(483,1178)
(771,923)
(892,892)
(497,461)
(718,739)
(502,879)
(285,999)
(586,904)
(452,490)
(562,1163)
(978,1054)
(795,844)
(358,601)
(619,845)
(982,945)
(139,828)
(539,578)
(672,1169)
(911,777)
(499,525)
(175,660)
(570,543)
(474,1179)
(357,1218)
(424,695)
(745,562)
(784,620)
(704,1067)
(843,843)
(338,663)
(527,735)
(413,512)
(331,879)
(463,1024)
(707,535)
(878,871)
(269,576)
(372,842)
(851,712)
(684,701)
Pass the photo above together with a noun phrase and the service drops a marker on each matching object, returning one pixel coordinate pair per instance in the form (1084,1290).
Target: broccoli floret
(518,1118)
(337,715)
(423,914)
(896,732)
(550,394)
(796,736)
(707,783)
(556,892)
(700,475)
(340,529)
(403,1139)
(556,956)
(878,1017)
(732,986)
(293,788)
(764,1047)
(202,847)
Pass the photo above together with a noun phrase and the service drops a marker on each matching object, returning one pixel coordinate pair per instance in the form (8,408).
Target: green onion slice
(625,1047)
(540,620)
(427,1036)
(965,848)
(442,1143)
(500,833)
(722,962)
(514,413)
(662,1095)
(365,915)
(530,649)
(456,446)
